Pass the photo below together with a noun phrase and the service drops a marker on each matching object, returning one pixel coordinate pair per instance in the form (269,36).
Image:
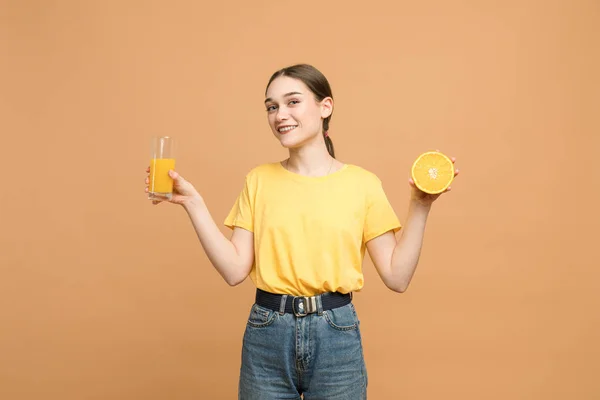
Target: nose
(282,114)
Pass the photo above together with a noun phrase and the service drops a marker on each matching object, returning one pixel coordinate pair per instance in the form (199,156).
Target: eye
(271,108)
(294,102)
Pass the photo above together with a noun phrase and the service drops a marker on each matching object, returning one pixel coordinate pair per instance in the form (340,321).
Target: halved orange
(432,172)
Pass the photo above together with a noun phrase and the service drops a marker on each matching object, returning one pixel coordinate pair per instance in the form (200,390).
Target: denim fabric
(319,356)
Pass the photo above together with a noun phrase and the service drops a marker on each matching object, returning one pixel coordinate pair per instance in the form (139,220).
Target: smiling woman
(302,80)
(300,229)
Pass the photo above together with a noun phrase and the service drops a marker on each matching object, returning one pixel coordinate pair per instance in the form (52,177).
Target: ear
(326,107)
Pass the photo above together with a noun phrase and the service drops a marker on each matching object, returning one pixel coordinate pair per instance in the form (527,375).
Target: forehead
(285,84)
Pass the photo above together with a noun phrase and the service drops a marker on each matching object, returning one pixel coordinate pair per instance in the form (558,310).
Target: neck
(310,160)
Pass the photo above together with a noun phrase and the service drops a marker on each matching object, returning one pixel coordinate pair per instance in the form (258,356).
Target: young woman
(300,229)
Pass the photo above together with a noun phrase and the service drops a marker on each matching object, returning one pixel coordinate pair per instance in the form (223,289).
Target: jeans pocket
(342,318)
(261,317)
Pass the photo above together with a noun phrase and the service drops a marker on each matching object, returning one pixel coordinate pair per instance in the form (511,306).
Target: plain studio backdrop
(104,296)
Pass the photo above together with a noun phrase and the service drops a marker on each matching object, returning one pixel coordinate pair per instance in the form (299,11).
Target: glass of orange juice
(162,159)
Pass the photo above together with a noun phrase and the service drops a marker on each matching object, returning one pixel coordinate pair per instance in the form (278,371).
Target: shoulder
(362,175)
(262,171)
(264,168)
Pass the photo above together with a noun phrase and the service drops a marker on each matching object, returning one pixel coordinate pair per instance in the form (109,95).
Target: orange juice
(160,181)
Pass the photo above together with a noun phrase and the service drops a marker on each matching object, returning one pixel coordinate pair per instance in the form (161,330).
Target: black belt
(301,306)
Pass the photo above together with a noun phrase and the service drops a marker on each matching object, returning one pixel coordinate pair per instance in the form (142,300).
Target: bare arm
(232,258)
(396,260)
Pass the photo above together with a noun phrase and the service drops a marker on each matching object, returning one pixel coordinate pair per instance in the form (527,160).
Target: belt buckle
(304,305)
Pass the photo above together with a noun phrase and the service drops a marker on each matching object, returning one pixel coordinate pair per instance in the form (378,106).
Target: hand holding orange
(431,174)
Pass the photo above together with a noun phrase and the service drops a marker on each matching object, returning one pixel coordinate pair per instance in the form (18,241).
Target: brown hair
(317,84)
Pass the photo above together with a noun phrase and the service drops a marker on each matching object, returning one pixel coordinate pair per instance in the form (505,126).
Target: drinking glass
(162,159)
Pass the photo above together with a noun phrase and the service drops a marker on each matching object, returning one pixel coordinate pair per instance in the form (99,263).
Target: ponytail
(329,144)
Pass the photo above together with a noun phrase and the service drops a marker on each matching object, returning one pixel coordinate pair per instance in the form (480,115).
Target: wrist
(419,205)
(193,202)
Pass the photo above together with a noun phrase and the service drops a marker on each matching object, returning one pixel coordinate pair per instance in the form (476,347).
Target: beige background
(103,296)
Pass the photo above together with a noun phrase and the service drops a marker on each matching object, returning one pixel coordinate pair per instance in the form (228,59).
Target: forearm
(221,252)
(408,247)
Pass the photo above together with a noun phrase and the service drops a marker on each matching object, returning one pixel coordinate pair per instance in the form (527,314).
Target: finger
(453,160)
(146,190)
(411,182)
(449,188)
(456,172)
(155,202)
(147,181)
(177,199)
(148,169)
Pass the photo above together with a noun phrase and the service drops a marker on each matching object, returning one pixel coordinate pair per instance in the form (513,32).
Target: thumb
(177,179)
(183,187)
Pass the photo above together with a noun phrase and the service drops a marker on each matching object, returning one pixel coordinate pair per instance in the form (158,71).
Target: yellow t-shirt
(310,232)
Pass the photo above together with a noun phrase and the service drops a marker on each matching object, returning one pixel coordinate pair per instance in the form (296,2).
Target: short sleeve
(380,216)
(242,212)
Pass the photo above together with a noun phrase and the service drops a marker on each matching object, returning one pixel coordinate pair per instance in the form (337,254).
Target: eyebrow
(285,95)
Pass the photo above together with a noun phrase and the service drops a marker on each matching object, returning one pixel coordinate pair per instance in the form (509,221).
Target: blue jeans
(318,356)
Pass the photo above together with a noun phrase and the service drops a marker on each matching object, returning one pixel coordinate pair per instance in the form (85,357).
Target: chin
(295,141)
(291,143)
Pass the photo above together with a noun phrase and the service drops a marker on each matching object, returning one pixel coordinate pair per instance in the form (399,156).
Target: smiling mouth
(286,129)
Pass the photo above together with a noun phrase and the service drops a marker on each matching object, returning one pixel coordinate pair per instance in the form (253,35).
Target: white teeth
(286,128)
